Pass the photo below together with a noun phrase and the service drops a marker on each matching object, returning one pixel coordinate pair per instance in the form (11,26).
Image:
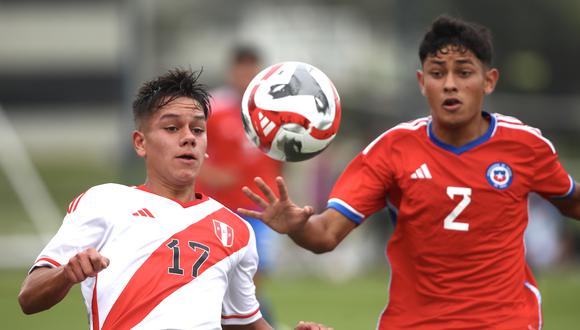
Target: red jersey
(457,253)
(229,148)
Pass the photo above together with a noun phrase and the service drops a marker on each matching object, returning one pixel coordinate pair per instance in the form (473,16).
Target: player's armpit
(570,206)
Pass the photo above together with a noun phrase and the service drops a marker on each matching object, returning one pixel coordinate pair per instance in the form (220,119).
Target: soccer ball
(291,111)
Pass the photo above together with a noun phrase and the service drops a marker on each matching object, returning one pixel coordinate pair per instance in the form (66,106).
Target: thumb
(308,210)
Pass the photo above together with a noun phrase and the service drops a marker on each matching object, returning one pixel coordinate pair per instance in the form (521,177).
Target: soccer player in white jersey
(457,185)
(159,255)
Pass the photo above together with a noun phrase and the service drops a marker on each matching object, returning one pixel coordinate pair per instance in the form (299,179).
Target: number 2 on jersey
(450,222)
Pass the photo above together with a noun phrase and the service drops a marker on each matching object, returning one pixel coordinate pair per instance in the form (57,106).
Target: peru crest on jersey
(224,233)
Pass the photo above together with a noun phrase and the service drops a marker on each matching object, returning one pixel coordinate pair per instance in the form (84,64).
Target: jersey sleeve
(362,188)
(550,178)
(240,305)
(83,226)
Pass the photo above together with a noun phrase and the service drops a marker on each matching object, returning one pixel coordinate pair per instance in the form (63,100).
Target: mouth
(187,157)
(451,104)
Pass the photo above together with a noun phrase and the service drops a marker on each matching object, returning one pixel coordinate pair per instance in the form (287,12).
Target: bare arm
(318,233)
(569,207)
(45,287)
(260,324)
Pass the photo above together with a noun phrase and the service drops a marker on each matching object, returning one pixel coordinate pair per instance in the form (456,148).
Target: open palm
(279,213)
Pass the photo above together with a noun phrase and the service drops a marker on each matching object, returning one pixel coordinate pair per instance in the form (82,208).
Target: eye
(436,74)
(198,130)
(465,73)
(171,128)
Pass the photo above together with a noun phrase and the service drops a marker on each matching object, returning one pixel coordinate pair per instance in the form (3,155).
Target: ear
(139,143)
(421,81)
(491,78)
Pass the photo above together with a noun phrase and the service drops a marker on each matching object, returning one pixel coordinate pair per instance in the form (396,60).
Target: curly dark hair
(164,89)
(449,33)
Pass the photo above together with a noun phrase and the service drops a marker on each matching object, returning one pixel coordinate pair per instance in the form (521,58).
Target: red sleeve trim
(50,261)
(73,205)
(246,316)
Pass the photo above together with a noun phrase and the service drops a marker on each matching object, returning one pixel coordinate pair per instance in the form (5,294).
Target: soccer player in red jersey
(456,184)
(234,160)
(160,255)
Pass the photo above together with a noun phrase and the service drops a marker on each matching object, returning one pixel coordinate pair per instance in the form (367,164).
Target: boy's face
(173,142)
(242,73)
(455,83)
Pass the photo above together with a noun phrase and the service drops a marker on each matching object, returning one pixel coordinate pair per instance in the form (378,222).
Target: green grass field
(350,305)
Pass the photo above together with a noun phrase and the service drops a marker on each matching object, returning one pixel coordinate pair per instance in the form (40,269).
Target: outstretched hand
(279,213)
(311,326)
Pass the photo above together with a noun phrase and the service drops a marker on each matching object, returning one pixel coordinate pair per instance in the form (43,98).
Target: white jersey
(172,265)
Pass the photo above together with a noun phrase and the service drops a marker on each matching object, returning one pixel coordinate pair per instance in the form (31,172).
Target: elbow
(28,304)
(327,246)
(26,307)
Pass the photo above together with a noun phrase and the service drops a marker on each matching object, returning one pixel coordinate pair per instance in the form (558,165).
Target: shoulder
(224,99)
(398,133)
(515,129)
(99,195)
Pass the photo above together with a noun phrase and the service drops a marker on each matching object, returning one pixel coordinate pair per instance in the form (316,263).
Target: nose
(187,138)
(449,84)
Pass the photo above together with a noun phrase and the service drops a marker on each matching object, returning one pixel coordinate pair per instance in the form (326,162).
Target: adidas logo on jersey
(144,213)
(422,173)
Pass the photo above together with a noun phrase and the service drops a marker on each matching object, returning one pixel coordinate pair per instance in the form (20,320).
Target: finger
(309,210)
(86,265)
(270,196)
(282,190)
(254,197)
(74,269)
(250,213)
(98,262)
(71,274)
(301,326)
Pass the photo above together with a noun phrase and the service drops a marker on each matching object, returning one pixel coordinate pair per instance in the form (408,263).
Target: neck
(183,194)
(459,136)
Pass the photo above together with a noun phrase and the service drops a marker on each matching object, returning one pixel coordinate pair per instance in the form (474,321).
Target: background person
(234,160)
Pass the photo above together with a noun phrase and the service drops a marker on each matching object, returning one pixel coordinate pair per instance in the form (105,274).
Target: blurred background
(69,71)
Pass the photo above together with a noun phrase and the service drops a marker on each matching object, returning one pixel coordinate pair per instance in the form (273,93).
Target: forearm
(322,232)
(42,289)
(570,206)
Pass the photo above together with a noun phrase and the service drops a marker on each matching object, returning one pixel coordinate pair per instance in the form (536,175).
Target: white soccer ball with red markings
(291,111)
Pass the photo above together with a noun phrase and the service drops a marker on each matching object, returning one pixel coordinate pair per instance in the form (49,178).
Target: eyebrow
(459,61)
(464,61)
(176,116)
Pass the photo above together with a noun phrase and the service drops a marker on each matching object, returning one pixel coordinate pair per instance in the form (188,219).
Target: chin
(452,119)
(186,179)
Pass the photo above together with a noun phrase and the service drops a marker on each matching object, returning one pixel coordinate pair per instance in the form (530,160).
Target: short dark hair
(458,34)
(243,53)
(164,89)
